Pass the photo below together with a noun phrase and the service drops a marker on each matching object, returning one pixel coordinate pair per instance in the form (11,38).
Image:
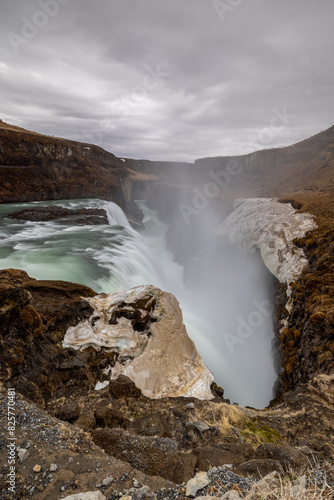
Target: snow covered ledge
(271,226)
(144,326)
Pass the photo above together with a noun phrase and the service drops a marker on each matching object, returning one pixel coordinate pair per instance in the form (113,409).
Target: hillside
(299,168)
(38,167)
(307,165)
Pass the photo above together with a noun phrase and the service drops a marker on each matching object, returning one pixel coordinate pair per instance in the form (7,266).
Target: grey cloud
(88,73)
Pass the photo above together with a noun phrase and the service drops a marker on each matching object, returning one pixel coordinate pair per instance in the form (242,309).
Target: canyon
(57,381)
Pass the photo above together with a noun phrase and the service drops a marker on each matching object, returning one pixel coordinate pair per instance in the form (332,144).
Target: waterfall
(111,257)
(115,215)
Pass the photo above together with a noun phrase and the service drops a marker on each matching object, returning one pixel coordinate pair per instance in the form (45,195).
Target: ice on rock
(145,327)
(270,226)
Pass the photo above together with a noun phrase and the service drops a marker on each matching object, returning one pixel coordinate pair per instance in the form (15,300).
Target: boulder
(23,454)
(197,483)
(143,493)
(231,495)
(244,449)
(286,455)
(123,387)
(258,468)
(89,495)
(266,485)
(199,427)
(299,485)
(216,456)
(151,425)
(307,451)
(69,411)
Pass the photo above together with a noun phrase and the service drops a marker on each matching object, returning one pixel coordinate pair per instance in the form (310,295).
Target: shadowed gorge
(168,188)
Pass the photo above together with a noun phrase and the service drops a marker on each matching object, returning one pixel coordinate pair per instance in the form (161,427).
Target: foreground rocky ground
(110,448)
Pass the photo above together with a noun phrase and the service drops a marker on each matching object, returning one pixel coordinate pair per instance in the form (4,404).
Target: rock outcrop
(82,216)
(142,335)
(144,327)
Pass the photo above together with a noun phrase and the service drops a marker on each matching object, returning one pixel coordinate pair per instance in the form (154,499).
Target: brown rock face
(152,455)
(90,216)
(35,167)
(123,387)
(258,468)
(287,456)
(34,318)
(216,456)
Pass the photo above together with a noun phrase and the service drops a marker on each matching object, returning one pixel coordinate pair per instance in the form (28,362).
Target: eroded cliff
(37,167)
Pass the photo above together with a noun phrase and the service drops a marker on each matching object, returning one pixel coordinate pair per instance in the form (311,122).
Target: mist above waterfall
(226,300)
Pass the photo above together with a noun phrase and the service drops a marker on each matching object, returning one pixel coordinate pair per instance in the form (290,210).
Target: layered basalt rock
(34,316)
(35,167)
(307,337)
(82,216)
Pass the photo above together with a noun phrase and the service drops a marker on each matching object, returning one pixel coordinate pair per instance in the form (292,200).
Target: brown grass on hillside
(310,332)
(13,128)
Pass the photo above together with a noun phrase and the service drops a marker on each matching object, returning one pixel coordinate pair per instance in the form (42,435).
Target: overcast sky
(169,79)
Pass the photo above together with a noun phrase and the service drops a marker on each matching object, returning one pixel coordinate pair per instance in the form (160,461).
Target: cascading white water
(107,258)
(115,215)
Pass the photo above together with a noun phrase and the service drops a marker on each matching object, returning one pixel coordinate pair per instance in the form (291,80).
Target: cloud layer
(172,80)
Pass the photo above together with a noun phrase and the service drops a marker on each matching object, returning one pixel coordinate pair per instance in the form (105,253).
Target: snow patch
(270,226)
